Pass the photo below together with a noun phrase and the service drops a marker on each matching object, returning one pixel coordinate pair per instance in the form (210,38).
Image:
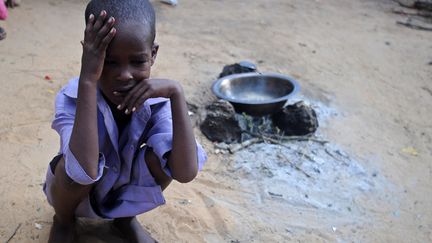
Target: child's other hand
(97,36)
(149,88)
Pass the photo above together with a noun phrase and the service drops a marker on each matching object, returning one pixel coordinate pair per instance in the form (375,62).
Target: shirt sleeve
(161,134)
(63,123)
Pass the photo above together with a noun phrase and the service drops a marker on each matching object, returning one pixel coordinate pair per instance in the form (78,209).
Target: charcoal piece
(220,124)
(297,119)
(241,67)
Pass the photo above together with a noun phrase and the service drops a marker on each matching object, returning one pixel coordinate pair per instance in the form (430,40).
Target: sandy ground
(348,55)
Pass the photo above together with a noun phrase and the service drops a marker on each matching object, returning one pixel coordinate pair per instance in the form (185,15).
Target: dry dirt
(348,55)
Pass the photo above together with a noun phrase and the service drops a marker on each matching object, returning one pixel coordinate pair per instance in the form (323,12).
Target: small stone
(220,124)
(297,119)
(38,226)
(170,2)
(185,201)
(241,67)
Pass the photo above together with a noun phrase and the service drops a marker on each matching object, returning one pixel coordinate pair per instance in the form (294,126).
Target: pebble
(38,226)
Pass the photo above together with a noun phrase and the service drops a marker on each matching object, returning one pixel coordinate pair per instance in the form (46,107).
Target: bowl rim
(216,84)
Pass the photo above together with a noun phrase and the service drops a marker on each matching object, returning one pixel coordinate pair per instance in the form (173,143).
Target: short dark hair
(126,11)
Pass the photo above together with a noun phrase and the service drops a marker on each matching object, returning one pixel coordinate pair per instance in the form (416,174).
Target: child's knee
(63,181)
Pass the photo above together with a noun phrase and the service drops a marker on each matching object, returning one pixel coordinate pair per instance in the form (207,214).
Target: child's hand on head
(97,36)
(148,88)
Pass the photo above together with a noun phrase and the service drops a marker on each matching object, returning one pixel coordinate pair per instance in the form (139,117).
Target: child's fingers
(141,99)
(89,27)
(133,95)
(107,39)
(100,21)
(137,99)
(104,31)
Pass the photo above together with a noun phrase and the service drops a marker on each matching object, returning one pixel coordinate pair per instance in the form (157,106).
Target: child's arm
(182,160)
(84,138)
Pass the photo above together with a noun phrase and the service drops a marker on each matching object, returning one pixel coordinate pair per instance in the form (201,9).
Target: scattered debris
(232,148)
(241,67)
(170,2)
(411,12)
(296,119)
(334,228)
(410,150)
(192,107)
(428,90)
(415,23)
(417,4)
(419,14)
(268,138)
(38,226)
(295,165)
(275,194)
(220,124)
(302,44)
(185,201)
(14,233)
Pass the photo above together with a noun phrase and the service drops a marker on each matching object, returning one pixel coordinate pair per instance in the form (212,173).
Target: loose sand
(348,55)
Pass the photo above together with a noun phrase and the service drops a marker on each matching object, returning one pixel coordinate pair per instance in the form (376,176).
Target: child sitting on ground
(124,136)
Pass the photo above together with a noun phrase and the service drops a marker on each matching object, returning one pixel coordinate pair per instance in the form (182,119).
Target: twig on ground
(296,166)
(414,26)
(14,233)
(412,12)
(271,138)
(274,141)
(281,138)
(306,156)
(239,146)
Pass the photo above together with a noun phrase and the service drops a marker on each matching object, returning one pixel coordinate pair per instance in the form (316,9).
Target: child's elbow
(186,177)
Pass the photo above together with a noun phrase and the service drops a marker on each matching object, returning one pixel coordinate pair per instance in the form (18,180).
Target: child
(124,136)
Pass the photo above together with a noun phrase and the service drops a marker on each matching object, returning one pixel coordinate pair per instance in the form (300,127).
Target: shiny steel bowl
(256,94)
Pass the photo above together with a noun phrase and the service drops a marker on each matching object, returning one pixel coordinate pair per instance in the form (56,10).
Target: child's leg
(133,230)
(66,196)
(130,226)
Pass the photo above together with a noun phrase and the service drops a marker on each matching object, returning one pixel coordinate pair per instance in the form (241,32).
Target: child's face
(128,61)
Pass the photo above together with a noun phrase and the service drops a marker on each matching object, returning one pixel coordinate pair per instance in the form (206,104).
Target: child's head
(132,52)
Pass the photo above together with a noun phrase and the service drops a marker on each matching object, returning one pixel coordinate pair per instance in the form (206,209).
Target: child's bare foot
(132,230)
(61,233)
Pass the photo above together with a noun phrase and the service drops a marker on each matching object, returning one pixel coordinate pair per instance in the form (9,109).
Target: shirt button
(131,147)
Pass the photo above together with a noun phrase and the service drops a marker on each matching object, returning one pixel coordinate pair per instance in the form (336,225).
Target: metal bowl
(256,94)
